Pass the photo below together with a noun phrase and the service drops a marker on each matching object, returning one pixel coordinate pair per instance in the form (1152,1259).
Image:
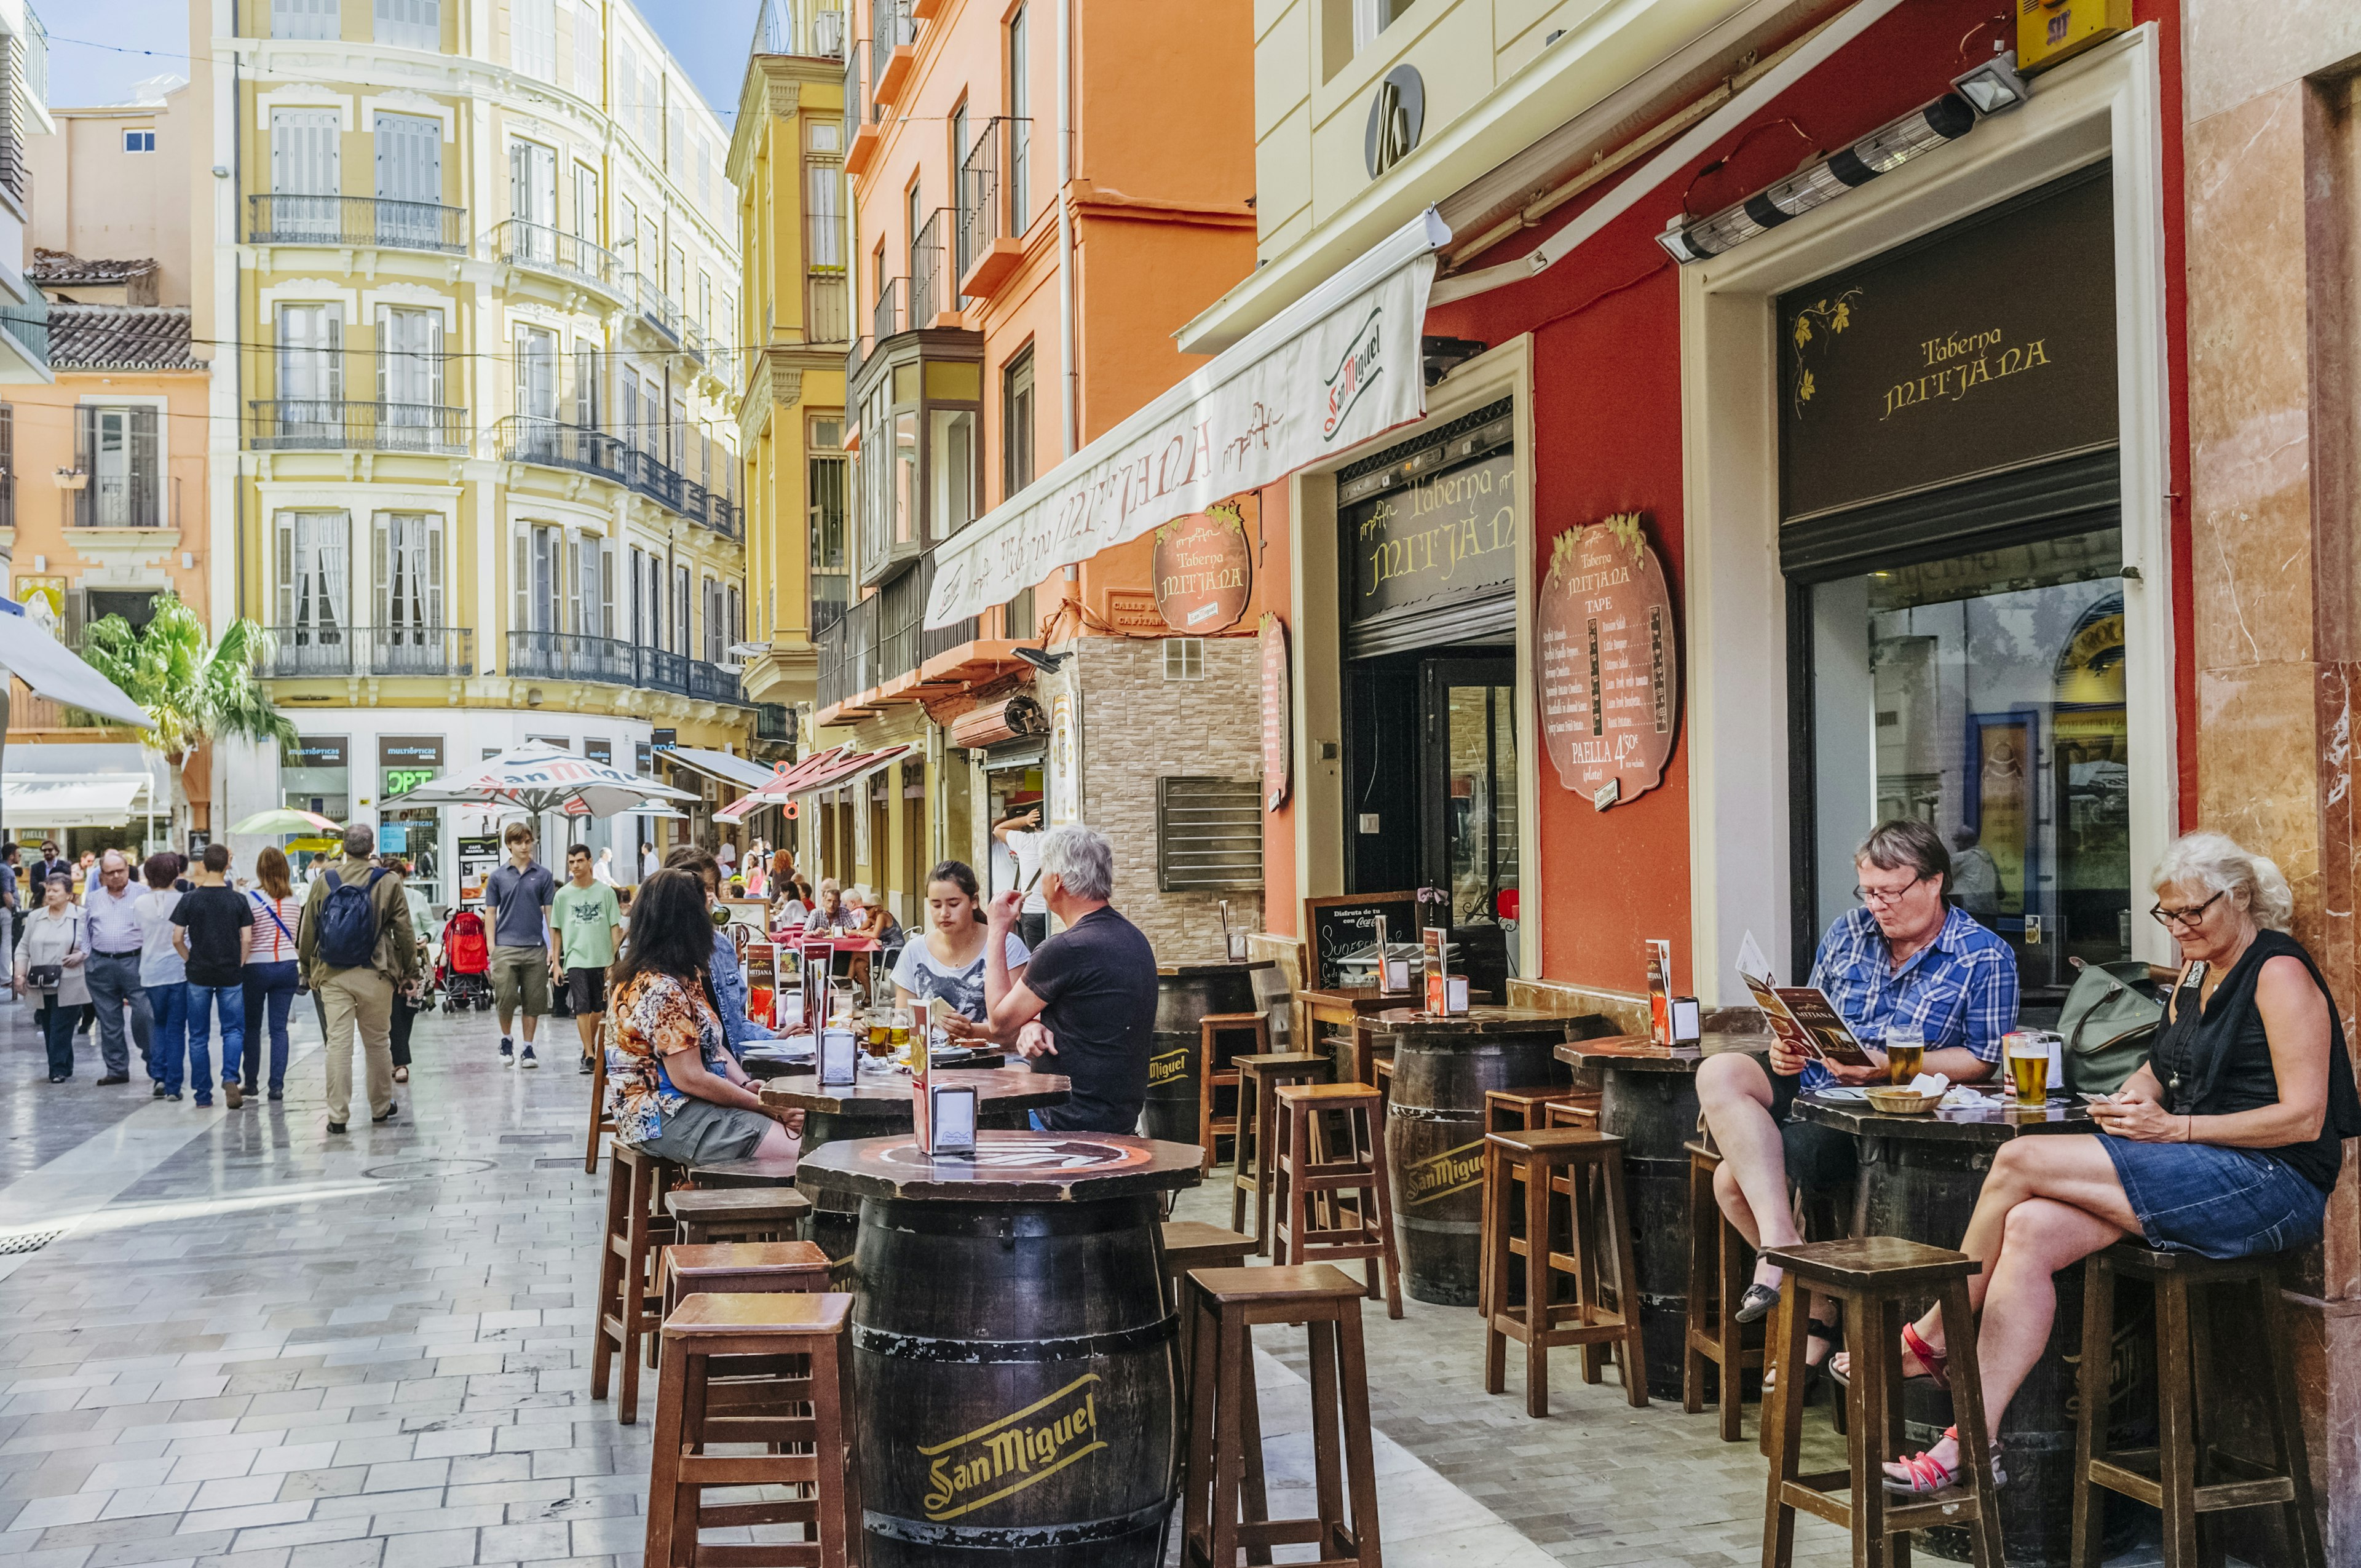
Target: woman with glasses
(1904,959)
(2225,1144)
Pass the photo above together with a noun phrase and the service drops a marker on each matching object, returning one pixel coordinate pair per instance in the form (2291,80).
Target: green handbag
(2109,1022)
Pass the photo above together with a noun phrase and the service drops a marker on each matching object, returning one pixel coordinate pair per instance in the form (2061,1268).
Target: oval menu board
(1611,680)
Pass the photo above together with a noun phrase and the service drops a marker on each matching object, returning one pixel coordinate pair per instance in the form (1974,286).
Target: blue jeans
(168,1033)
(202,1002)
(270,991)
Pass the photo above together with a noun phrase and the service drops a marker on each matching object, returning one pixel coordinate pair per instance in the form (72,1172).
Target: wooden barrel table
(1016,1369)
(1919,1178)
(1434,1129)
(878,1106)
(1324,1020)
(763,1066)
(1185,993)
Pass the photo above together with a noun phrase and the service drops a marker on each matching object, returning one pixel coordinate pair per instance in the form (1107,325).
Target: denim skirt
(2221,1202)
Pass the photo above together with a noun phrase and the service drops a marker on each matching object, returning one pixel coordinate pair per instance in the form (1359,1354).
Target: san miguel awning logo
(1440,1176)
(1011,1453)
(1354,374)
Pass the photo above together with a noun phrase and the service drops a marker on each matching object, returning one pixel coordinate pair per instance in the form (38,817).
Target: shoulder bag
(2110,1022)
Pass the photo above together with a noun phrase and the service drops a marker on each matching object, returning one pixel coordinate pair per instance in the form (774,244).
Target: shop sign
(314,752)
(645,753)
(1396,116)
(1985,347)
(1442,540)
(598,750)
(1065,763)
(660,739)
(1204,571)
(1609,676)
(407,761)
(1278,749)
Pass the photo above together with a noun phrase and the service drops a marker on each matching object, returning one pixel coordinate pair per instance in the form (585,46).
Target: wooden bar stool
(761,1171)
(1717,1278)
(1190,1244)
(1873,1277)
(706,1214)
(1588,1168)
(629,1291)
(2190,1473)
(1520,1110)
(741,1268)
(1258,1078)
(1381,1073)
(1215,1073)
(1223,1506)
(1347,1191)
(807,1416)
(1574,1108)
(601,1122)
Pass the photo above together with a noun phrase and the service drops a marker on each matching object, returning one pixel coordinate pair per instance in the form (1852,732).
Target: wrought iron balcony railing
(611,661)
(314,650)
(320,424)
(516,243)
(283,219)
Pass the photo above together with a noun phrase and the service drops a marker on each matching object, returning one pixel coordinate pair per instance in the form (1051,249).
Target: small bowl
(1896,1102)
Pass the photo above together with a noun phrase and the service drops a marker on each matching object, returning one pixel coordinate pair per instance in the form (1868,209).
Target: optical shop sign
(1257,412)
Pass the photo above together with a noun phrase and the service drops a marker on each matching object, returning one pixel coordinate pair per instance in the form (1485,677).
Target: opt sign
(1611,679)
(1204,571)
(1277,753)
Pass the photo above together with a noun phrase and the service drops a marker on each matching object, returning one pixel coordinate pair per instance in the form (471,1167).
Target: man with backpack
(355,947)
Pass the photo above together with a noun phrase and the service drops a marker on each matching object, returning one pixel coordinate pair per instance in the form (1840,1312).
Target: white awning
(1334,369)
(36,658)
(719,765)
(45,800)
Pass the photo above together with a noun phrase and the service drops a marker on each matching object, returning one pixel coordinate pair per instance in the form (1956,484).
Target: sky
(99,48)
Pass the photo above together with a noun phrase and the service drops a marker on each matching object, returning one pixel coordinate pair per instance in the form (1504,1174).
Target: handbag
(2110,1022)
(50,977)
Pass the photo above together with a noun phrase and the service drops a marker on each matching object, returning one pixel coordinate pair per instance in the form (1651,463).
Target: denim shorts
(2220,1202)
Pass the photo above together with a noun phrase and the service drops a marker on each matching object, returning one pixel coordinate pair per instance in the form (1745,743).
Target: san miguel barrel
(1652,1107)
(1016,1370)
(1434,1130)
(1185,995)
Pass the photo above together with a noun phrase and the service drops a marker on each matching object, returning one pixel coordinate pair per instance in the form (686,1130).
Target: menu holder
(762,983)
(1393,973)
(1446,994)
(1803,1016)
(922,1067)
(950,1118)
(840,1058)
(1660,990)
(1688,1022)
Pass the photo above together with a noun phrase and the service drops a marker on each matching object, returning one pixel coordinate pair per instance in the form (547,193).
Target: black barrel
(1927,1189)
(1185,993)
(1015,1376)
(1434,1131)
(1655,1115)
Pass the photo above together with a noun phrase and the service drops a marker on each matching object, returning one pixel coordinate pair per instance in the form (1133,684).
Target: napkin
(1929,1083)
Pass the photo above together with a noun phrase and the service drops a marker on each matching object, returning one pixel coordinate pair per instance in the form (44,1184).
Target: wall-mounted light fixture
(1988,89)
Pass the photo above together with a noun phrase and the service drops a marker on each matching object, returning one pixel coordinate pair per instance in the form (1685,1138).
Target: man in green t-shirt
(584,931)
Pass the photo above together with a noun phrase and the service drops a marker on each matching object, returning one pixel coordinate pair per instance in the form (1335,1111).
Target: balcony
(927,259)
(815,32)
(893,52)
(311,652)
(885,317)
(773,721)
(876,652)
(114,500)
(27,328)
(992,215)
(552,444)
(540,248)
(656,307)
(357,221)
(848,657)
(315,424)
(862,130)
(611,661)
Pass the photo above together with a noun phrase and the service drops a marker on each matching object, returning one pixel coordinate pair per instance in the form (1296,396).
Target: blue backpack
(349,921)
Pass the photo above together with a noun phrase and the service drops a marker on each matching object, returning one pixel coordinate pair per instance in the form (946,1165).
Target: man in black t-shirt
(216,937)
(1086,1006)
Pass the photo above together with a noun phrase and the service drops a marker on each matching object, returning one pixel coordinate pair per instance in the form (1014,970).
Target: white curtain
(408,576)
(315,578)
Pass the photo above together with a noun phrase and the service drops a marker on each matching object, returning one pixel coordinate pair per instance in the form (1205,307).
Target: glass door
(1467,795)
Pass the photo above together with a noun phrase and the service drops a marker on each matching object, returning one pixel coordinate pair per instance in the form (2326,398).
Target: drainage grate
(425,1170)
(556,1162)
(538,1137)
(28,1241)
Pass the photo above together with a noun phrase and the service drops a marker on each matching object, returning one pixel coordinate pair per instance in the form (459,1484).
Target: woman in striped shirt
(271,972)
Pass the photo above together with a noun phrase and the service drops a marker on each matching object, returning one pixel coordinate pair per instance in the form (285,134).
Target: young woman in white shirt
(948,964)
(271,975)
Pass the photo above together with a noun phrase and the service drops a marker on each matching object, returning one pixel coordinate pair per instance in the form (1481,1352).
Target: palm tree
(196,690)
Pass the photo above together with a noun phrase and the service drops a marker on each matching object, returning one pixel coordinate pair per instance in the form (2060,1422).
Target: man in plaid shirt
(1904,958)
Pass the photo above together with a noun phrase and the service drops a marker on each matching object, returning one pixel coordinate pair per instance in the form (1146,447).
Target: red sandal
(1938,1363)
(1921,1475)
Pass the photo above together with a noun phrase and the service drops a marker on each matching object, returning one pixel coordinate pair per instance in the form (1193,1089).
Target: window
(1184,658)
(587,54)
(1020,129)
(532,37)
(311,354)
(540,584)
(677,279)
(313,579)
(408,180)
(586,202)
(305,19)
(825,136)
(116,448)
(914,221)
(1349,27)
(829,320)
(410,24)
(830,575)
(408,571)
(675,150)
(532,184)
(139,141)
(587,375)
(1016,424)
(536,375)
(960,198)
(303,173)
(680,609)
(716,620)
(955,471)
(410,377)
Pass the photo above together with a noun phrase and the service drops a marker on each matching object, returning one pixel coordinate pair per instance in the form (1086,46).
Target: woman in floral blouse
(672,1086)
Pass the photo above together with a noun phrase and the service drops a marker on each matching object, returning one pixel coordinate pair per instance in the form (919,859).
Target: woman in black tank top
(2225,1143)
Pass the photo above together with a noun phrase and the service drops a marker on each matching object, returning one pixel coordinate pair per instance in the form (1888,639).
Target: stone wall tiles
(2233,51)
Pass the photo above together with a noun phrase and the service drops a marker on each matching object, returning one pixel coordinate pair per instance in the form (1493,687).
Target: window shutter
(287,567)
(431,529)
(385,572)
(335,573)
(585,387)
(607,590)
(147,501)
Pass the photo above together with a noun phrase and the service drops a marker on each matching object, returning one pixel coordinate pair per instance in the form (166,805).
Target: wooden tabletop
(1631,1053)
(888,1093)
(1475,1021)
(1221,966)
(1967,1125)
(1007,1168)
(1357,998)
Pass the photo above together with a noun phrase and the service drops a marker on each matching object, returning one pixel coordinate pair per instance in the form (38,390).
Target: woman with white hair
(2225,1143)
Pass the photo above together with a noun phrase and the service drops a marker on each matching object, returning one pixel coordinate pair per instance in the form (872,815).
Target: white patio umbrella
(542,778)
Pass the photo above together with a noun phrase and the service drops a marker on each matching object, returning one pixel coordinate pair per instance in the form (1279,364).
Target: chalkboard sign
(1338,925)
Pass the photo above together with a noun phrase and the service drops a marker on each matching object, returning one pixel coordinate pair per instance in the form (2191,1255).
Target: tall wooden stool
(1259,1076)
(1381,1073)
(1717,1278)
(1520,1110)
(741,1268)
(1216,1072)
(1574,1108)
(2190,1474)
(629,1291)
(1223,1506)
(707,1332)
(709,1214)
(1549,1161)
(1872,1276)
(761,1171)
(1336,1204)
(600,1122)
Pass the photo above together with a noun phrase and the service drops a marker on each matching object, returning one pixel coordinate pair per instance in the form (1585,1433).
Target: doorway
(1433,776)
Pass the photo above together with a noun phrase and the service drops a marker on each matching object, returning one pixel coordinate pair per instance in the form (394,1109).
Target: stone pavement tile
(359,1553)
(527,1543)
(374,1503)
(239,1491)
(244,1518)
(438,1517)
(407,1474)
(325,1483)
(431,1548)
(219,1466)
(79,1508)
(592,1537)
(178,1547)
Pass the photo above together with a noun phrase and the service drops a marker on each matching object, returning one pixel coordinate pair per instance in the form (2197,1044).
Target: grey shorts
(701,1132)
(520,979)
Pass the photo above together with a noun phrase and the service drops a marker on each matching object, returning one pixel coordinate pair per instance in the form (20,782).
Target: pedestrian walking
(12,874)
(1088,998)
(49,960)
(1020,833)
(606,868)
(409,1000)
(586,928)
(357,948)
(272,975)
(164,975)
(112,929)
(518,897)
(214,934)
(650,861)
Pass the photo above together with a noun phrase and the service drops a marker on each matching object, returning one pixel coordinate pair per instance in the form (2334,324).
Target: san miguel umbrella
(536,779)
(286,819)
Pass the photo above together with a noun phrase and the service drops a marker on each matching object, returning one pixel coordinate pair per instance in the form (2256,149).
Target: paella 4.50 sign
(1610,677)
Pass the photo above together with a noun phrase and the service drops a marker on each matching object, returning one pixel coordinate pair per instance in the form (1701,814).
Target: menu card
(1446,994)
(1660,991)
(1808,1021)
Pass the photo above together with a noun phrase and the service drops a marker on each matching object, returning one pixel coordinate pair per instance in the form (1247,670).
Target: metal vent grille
(28,1241)
(1208,834)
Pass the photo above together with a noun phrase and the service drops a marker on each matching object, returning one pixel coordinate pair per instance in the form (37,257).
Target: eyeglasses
(1884,897)
(2184,919)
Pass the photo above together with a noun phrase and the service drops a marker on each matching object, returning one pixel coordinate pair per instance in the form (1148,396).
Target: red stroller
(465,975)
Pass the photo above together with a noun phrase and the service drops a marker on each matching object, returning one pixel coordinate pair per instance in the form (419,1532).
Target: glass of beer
(1905,1054)
(2028,1069)
(881,1035)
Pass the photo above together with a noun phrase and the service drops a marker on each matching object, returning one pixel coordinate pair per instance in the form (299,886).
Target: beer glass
(2028,1069)
(1905,1054)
